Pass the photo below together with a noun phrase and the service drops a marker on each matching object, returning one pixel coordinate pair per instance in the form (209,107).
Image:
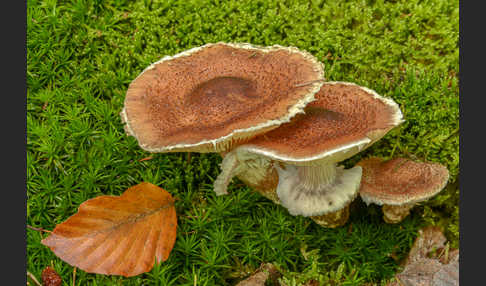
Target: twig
(145,159)
(38,229)
(350,228)
(74,276)
(444,253)
(188,232)
(31,276)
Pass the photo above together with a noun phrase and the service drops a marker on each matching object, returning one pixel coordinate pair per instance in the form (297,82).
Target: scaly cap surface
(343,120)
(400,181)
(209,98)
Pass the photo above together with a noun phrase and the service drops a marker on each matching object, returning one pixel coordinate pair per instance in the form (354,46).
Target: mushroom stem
(228,170)
(333,219)
(313,177)
(321,191)
(318,189)
(396,213)
(256,171)
(324,191)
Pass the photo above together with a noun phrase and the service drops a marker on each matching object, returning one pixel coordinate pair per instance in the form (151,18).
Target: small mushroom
(214,97)
(343,120)
(398,184)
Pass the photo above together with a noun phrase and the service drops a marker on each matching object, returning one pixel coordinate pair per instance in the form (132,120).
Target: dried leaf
(420,270)
(312,282)
(448,275)
(50,277)
(429,239)
(260,277)
(419,273)
(257,279)
(118,235)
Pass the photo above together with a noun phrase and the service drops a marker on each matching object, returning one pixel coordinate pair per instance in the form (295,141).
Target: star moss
(81,56)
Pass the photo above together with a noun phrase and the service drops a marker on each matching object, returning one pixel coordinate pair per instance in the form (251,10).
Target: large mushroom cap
(208,98)
(400,181)
(343,120)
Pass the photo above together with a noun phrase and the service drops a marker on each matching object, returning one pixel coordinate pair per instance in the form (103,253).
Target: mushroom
(398,184)
(214,97)
(303,154)
(254,170)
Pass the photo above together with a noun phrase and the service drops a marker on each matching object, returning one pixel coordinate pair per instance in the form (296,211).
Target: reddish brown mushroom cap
(400,181)
(210,97)
(344,119)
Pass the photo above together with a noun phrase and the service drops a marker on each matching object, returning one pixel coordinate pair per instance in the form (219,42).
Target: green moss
(82,55)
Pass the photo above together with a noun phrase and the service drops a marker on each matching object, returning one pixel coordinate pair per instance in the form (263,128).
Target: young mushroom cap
(343,120)
(209,98)
(400,181)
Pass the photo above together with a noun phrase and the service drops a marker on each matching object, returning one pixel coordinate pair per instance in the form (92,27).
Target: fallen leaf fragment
(448,275)
(50,277)
(311,282)
(429,239)
(257,279)
(118,235)
(421,270)
(260,277)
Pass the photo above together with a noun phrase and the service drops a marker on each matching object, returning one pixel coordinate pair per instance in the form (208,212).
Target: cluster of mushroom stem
(308,190)
(317,190)
(333,219)
(296,164)
(321,178)
(279,125)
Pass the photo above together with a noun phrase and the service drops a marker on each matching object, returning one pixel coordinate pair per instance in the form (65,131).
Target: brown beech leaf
(118,235)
